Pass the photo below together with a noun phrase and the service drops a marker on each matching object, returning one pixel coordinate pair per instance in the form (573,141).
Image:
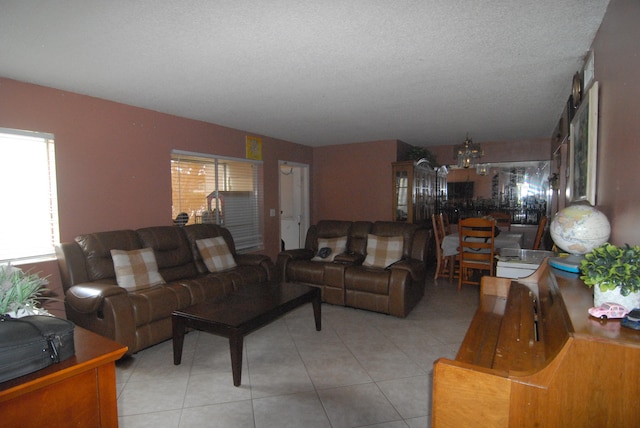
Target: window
(224,191)
(29,214)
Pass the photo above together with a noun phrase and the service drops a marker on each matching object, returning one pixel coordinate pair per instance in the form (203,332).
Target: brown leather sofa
(142,318)
(393,290)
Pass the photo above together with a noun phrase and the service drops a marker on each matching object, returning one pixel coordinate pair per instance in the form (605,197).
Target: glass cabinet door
(414,192)
(401,199)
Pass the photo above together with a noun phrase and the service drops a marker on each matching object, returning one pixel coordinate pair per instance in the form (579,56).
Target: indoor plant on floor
(20,292)
(614,273)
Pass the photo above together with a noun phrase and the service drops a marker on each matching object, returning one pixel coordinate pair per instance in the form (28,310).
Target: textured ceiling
(315,72)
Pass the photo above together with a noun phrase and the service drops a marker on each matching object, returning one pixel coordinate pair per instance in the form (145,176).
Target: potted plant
(20,292)
(614,272)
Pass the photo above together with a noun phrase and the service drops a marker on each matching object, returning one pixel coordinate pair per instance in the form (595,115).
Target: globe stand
(571,263)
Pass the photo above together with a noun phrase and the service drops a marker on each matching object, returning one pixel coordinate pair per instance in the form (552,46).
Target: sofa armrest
(416,268)
(299,254)
(420,244)
(349,258)
(257,260)
(286,256)
(89,297)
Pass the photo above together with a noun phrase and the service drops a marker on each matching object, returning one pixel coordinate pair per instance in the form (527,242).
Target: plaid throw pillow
(336,245)
(215,254)
(383,251)
(136,269)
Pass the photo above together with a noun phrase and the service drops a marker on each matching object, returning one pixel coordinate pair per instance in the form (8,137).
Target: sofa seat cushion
(155,303)
(370,280)
(207,286)
(383,251)
(136,269)
(243,275)
(306,271)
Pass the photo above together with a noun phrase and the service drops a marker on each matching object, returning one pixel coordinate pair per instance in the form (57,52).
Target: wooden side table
(80,391)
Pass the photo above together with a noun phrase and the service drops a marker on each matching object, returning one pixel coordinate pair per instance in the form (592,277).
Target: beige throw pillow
(215,254)
(335,245)
(383,251)
(136,269)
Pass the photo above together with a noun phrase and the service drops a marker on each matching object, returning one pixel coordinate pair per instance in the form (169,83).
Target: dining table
(451,242)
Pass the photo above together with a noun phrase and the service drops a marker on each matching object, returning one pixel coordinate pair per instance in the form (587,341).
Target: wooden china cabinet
(418,190)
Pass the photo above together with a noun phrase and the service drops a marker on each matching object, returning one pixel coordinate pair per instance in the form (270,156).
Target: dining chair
(445,223)
(442,263)
(503,220)
(477,248)
(540,233)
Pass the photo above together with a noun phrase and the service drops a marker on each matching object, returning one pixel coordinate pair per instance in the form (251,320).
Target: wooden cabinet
(79,391)
(417,191)
(533,357)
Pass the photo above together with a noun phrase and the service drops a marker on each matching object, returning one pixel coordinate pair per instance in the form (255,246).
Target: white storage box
(513,263)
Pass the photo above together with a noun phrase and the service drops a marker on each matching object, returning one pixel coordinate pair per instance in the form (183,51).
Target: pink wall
(113,160)
(617,61)
(353,181)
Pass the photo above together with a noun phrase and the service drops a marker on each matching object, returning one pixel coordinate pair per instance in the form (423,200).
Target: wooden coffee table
(241,312)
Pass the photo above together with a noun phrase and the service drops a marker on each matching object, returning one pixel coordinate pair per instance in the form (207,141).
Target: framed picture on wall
(583,137)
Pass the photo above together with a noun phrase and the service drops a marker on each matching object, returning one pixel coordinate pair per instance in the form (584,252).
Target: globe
(578,229)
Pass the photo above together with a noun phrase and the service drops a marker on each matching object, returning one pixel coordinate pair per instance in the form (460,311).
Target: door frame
(303,201)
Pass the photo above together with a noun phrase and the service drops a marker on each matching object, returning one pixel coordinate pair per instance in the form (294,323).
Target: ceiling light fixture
(467,153)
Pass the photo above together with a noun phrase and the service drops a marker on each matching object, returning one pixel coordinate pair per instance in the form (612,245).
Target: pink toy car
(608,310)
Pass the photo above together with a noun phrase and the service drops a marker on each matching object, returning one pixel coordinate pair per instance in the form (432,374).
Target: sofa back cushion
(195,232)
(97,247)
(358,237)
(326,229)
(171,249)
(391,228)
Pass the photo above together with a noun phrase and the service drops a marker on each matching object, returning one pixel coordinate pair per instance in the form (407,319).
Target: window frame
(248,237)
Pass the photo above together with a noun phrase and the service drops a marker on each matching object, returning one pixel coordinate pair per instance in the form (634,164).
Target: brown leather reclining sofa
(141,318)
(393,289)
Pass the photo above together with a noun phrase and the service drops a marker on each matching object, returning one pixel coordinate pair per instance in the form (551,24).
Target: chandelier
(467,153)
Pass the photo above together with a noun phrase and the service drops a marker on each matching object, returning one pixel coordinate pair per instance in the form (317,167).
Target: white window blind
(29,214)
(220,190)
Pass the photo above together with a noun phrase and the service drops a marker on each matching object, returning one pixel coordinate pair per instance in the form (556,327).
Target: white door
(294,204)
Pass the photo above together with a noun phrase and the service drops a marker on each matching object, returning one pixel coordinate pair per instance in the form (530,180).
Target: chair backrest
(446,225)
(477,245)
(438,230)
(540,232)
(503,220)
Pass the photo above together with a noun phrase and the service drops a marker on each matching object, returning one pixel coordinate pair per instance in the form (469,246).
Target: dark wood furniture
(241,312)
(533,357)
(418,190)
(79,391)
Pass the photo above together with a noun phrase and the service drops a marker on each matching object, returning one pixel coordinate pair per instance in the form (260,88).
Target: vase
(630,302)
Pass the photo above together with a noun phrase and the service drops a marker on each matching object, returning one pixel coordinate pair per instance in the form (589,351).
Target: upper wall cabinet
(417,191)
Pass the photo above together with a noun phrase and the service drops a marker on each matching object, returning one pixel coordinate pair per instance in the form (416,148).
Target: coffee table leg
(178,338)
(235,346)
(317,310)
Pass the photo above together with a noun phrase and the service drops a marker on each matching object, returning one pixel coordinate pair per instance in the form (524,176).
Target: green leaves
(611,267)
(19,289)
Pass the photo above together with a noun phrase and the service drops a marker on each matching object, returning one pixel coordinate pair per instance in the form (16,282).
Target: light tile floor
(363,369)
